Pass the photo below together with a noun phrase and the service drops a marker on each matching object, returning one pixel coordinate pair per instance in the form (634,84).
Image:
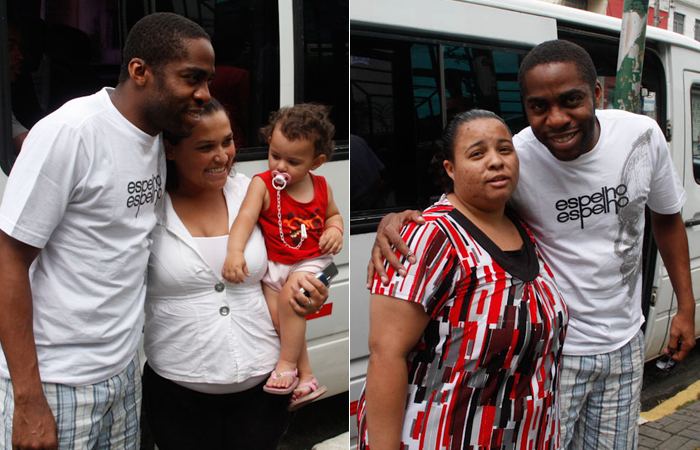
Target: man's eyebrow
(571,92)
(197,70)
(568,93)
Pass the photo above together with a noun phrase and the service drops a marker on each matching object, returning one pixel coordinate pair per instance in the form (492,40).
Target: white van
(413,63)
(269,54)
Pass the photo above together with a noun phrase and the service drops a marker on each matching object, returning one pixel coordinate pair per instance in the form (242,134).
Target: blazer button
(219,287)
(223,310)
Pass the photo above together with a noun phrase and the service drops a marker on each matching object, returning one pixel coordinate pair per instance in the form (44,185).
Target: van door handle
(692,222)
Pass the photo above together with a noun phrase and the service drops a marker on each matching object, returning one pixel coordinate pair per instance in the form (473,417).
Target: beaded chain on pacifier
(279,182)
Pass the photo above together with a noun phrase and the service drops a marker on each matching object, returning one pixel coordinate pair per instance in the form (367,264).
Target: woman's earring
(232,173)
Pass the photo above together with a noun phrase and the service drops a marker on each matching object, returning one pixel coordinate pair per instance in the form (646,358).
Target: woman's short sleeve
(431,280)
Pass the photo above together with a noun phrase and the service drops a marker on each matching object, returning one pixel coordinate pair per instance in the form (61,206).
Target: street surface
(659,385)
(317,422)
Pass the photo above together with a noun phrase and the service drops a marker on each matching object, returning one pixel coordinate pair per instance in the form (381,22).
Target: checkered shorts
(101,416)
(600,398)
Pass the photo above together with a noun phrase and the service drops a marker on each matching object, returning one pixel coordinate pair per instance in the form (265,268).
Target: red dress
(294,214)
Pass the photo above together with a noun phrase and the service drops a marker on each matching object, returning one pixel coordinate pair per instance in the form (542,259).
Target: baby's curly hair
(304,121)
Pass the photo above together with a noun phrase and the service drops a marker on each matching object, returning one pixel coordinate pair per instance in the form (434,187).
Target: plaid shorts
(600,398)
(97,416)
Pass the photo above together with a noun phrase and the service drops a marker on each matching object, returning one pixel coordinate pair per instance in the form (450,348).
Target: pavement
(674,424)
(322,425)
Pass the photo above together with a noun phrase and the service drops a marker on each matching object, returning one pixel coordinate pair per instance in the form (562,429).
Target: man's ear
(598,94)
(320,159)
(139,71)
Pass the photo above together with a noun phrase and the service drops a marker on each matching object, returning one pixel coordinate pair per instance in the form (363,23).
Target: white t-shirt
(201,331)
(84,189)
(588,218)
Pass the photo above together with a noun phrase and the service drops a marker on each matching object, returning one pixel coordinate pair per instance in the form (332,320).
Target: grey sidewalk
(677,431)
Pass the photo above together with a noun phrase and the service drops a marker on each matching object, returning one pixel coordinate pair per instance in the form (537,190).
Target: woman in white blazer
(210,344)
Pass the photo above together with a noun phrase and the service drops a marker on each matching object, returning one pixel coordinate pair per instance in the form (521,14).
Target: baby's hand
(331,241)
(235,268)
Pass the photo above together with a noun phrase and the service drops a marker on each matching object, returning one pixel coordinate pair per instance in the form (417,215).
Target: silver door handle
(692,222)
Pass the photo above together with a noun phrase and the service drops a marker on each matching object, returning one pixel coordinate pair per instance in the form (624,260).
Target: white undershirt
(213,251)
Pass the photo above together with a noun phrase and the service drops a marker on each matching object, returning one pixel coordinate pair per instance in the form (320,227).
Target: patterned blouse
(485,373)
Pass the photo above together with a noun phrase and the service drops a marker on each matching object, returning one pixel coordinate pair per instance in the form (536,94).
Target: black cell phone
(325,275)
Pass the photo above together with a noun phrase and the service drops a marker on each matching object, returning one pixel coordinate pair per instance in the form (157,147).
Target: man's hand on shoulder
(388,239)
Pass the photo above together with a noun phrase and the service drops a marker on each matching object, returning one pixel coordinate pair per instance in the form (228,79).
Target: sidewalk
(674,424)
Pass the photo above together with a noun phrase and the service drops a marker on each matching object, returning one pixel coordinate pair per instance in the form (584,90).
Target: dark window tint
(324,68)
(405,89)
(245,35)
(402,93)
(73,48)
(695,130)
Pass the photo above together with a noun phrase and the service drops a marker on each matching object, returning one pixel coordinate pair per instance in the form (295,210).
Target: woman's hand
(389,238)
(318,294)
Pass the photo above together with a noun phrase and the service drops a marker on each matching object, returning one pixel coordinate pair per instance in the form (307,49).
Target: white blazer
(199,327)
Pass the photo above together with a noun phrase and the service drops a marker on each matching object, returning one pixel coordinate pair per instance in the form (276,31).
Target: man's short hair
(159,39)
(558,51)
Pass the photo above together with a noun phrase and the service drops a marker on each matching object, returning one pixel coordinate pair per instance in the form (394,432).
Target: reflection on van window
(405,89)
(245,36)
(695,130)
(402,96)
(325,51)
(72,48)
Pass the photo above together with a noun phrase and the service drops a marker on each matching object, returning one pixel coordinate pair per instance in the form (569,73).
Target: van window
(403,92)
(695,130)
(603,50)
(71,50)
(324,67)
(245,36)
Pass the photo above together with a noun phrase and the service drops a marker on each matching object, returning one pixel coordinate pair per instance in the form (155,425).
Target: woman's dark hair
(304,121)
(207,110)
(449,137)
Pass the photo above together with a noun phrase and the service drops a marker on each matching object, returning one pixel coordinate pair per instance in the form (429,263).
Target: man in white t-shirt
(74,244)
(585,179)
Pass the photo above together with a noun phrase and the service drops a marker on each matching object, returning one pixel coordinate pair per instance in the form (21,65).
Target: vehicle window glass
(403,93)
(59,50)
(245,36)
(695,130)
(325,59)
(603,52)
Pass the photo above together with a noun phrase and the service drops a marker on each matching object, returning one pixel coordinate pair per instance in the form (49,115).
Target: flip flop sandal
(282,391)
(315,393)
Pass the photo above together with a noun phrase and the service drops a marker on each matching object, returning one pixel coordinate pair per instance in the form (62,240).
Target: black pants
(182,419)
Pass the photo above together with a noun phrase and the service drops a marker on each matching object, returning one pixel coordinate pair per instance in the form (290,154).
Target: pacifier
(280,179)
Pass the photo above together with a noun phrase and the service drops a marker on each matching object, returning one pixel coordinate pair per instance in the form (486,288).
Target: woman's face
(485,168)
(204,159)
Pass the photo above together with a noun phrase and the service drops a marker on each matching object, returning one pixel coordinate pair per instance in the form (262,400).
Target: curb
(672,404)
